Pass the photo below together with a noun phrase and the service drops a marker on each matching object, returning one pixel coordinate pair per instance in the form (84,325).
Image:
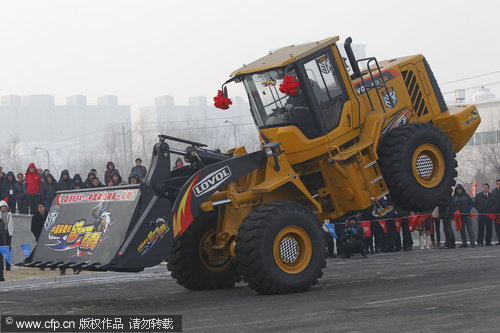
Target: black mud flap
(123,228)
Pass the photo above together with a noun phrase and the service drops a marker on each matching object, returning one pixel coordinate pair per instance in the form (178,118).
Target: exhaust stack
(352,59)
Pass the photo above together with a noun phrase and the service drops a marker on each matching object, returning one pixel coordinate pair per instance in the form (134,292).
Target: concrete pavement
(418,291)
(54,280)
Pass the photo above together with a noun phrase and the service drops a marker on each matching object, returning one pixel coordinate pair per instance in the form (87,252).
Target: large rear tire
(280,248)
(418,164)
(195,265)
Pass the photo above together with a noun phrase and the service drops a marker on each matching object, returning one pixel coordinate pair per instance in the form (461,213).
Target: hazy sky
(142,49)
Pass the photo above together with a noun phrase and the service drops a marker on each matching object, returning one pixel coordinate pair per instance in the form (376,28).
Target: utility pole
(234,128)
(124,148)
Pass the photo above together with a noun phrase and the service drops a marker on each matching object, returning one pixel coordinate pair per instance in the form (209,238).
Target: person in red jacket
(33,184)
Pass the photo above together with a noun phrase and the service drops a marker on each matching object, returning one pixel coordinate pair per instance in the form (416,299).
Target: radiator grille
(415,93)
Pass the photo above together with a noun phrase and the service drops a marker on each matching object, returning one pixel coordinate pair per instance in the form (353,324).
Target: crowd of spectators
(32,192)
(24,191)
(393,232)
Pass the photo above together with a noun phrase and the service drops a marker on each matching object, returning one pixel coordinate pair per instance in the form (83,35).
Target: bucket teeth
(44,264)
(90,265)
(33,264)
(55,265)
(77,266)
(62,265)
(66,265)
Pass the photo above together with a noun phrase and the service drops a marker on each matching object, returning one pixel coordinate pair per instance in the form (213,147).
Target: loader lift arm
(166,182)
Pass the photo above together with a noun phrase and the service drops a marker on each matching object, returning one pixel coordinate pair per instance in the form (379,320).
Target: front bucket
(123,228)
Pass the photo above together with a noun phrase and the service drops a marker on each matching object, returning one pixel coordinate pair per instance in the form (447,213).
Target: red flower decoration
(221,101)
(289,85)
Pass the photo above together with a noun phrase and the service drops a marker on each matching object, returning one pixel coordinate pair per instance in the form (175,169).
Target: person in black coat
(88,181)
(45,173)
(353,238)
(463,203)
(38,220)
(139,170)
(134,179)
(393,237)
(3,180)
(20,194)
(446,213)
(405,228)
(496,207)
(485,205)
(65,183)
(96,183)
(78,182)
(48,191)
(9,191)
(116,178)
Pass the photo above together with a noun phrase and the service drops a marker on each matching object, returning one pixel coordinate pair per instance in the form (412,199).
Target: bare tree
(481,162)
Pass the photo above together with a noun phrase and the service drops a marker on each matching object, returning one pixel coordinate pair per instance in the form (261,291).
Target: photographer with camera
(353,238)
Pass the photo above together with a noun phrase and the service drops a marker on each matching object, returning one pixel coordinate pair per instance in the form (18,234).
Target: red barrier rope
(418,218)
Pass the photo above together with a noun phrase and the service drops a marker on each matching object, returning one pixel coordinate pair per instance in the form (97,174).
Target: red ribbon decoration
(382,224)
(422,218)
(458,220)
(367,228)
(289,85)
(221,101)
(492,216)
(472,216)
(412,222)
(397,223)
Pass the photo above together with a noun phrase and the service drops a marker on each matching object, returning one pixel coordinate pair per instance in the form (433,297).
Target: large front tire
(193,262)
(280,248)
(418,164)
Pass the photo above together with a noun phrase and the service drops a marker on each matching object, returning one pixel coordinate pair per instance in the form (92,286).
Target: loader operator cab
(316,107)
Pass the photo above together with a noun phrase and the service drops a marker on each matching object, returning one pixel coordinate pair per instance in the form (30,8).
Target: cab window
(326,88)
(272,108)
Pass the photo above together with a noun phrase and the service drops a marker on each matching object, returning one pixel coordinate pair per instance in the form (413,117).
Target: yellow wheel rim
(214,260)
(292,250)
(428,165)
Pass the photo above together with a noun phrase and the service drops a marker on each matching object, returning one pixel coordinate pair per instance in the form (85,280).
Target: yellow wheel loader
(338,136)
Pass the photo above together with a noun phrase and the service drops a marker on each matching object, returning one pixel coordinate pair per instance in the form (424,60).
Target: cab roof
(284,56)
